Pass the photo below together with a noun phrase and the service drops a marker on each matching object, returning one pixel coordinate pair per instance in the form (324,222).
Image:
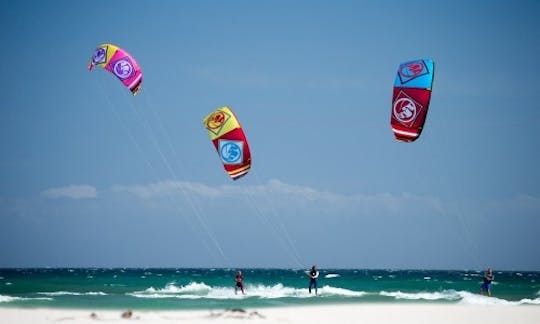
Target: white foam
(443,295)
(193,287)
(278,291)
(463,297)
(72,293)
(157,296)
(197,290)
(333,291)
(332,275)
(475,299)
(528,301)
(8,299)
(191,291)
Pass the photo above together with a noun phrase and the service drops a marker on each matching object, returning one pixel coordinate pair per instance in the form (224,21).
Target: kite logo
(406,109)
(100,55)
(123,68)
(231,152)
(412,70)
(215,122)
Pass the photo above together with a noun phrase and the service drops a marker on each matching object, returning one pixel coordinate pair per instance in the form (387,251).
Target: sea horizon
(263,268)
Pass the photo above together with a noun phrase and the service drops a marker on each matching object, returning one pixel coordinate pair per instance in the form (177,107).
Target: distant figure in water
(239,278)
(486,285)
(313,275)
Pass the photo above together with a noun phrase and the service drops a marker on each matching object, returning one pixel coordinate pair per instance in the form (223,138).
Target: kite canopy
(229,140)
(410,102)
(120,63)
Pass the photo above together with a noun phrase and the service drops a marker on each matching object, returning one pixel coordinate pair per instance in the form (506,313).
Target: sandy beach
(373,313)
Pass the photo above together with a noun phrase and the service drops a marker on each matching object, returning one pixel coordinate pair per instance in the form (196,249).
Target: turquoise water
(214,288)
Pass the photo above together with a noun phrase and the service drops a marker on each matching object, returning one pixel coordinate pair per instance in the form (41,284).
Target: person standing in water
(313,275)
(239,278)
(487,280)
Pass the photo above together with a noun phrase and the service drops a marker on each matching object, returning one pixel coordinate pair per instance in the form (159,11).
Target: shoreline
(358,313)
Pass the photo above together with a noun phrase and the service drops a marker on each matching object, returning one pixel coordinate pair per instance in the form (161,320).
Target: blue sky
(91,176)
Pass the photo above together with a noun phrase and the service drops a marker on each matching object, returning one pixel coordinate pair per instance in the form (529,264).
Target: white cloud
(72,192)
(174,187)
(278,196)
(163,188)
(520,204)
(278,192)
(397,202)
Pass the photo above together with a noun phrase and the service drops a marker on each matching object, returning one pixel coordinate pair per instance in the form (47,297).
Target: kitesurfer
(487,280)
(239,278)
(313,275)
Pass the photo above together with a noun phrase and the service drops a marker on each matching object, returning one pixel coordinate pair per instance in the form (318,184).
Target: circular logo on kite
(216,120)
(405,110)
(231,151)
(123,68)
(100,55)
(410,70)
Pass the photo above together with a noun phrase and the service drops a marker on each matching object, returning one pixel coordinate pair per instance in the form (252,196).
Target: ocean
(172,289)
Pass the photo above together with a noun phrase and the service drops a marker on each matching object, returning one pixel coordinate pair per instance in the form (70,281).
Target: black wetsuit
(313,280)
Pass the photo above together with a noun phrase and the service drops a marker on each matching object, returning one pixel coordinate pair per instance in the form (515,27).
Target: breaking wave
(475,299)
(444,295)
(463,297)
(8,299)
(196,290)
(72,293)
